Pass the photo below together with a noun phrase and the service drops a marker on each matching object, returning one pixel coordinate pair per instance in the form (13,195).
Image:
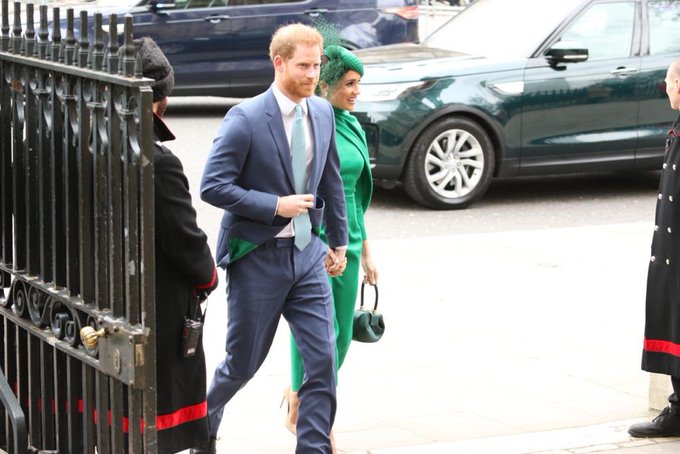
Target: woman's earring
(323,89)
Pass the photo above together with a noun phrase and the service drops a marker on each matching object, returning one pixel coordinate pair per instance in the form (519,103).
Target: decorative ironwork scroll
(76,233)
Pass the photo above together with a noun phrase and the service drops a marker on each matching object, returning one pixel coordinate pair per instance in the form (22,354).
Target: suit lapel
(279,135)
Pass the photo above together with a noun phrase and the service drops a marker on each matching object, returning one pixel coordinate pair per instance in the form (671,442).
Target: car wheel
(450,165)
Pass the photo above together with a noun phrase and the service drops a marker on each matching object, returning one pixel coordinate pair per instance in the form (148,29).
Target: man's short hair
(286,38)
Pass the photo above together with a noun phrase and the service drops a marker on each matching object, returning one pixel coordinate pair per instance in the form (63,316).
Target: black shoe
(667,424)
(210,448)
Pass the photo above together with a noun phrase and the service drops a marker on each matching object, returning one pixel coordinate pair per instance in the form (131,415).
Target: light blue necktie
(298,148)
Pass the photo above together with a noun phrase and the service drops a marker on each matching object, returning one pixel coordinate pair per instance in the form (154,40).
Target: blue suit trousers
(273,280)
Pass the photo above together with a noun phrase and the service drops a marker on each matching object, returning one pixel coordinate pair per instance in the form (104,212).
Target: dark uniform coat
(183,265)
(661,353)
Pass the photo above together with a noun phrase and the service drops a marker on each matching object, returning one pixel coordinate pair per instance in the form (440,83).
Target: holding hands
(335,262)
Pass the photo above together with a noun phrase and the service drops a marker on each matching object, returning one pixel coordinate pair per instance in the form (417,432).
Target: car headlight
(386,92)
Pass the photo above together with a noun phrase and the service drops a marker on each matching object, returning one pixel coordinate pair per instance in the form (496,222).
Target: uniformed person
(661,350)
(185,271)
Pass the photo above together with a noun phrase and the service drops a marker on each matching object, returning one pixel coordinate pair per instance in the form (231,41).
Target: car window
(606,29)
(501,28)
(121,3)
(200,3)
(259,2)
(664,32)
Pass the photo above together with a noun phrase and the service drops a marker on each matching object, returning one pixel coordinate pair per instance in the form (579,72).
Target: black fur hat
(155,66)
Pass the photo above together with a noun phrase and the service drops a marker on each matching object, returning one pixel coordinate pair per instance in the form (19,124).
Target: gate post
(76,237)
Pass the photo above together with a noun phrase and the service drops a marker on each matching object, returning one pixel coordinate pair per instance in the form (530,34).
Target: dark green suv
(521,87)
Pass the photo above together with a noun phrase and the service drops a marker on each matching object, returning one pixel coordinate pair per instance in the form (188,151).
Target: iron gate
(76,237)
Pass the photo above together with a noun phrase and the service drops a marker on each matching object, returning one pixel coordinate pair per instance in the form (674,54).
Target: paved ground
(510,342)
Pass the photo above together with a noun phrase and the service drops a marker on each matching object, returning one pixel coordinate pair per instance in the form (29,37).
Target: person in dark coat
(185,274)
(661,351)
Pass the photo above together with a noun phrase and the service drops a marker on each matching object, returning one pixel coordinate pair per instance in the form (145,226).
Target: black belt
(278,242)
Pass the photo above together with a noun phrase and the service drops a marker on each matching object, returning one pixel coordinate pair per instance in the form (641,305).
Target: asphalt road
(510,204)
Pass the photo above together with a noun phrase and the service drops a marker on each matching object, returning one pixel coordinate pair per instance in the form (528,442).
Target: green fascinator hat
(335,52)
(338,61)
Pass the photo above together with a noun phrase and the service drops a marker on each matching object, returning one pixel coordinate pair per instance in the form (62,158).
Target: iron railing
(76,236)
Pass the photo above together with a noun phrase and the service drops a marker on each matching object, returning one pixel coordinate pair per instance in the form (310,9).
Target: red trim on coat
(675,129)
(170,420)
(212,281)
(163,422)
(181,416)
(662,346)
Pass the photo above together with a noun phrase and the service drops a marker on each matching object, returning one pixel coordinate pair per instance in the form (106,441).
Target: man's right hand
(291,206)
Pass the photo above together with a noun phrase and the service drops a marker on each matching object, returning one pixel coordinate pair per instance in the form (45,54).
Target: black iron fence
(76,236)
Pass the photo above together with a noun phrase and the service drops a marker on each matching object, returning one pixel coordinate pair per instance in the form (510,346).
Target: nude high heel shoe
(292,407)
(333,446)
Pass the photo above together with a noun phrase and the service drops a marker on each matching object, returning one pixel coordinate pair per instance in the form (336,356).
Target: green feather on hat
(337,59)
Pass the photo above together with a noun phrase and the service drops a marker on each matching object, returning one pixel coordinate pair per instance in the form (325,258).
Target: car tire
(450,165)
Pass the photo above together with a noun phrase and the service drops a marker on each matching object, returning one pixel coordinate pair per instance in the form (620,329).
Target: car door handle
(216,18)
(316,12)
(623,71)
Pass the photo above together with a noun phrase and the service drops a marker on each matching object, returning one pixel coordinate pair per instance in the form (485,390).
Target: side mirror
(160,5)
(567,52)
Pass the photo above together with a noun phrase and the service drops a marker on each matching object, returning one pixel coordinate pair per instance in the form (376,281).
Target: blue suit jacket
(249,167)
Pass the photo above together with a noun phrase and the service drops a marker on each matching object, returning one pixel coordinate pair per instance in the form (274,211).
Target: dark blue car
(220,47)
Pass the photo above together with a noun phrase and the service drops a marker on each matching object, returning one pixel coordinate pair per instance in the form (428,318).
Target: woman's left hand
(370,271)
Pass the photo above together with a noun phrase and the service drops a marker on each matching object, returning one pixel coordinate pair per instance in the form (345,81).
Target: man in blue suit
(274,170)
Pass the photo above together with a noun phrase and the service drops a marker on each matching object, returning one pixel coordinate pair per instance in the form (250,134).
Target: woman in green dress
(339,80)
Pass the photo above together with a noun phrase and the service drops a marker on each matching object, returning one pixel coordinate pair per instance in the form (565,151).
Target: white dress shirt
(287,108)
